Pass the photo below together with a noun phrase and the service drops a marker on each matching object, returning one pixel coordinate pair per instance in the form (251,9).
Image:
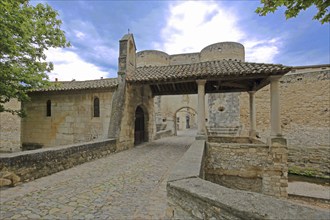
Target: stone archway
(187,120)
(140,127)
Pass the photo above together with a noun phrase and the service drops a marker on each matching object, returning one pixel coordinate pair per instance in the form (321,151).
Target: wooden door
(139,131)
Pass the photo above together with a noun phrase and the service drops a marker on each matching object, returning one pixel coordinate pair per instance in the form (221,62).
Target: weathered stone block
(5,182)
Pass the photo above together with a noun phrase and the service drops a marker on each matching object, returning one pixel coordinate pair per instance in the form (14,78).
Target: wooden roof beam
(173,86)
(261,84)
(235,85)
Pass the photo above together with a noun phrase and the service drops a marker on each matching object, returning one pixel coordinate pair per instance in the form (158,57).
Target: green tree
(293,7)
(26,31)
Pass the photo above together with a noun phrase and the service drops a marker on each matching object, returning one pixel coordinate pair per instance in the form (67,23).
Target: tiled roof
(78,85)
(206,70)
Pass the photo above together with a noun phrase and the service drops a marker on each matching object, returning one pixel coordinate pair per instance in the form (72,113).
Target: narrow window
(96,107)
(49,108)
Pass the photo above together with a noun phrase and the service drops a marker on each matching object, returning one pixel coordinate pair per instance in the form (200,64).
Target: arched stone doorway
(140,127)
(184,118)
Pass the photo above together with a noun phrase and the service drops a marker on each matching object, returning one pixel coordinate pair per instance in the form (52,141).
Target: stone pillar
(275,176)
(275,120)
(253,121)
(201,133)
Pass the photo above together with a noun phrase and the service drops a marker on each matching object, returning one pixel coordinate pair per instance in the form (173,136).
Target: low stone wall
(191,197)
(309,161)
(191,164)
(247,164)
(30,165)
(162,134)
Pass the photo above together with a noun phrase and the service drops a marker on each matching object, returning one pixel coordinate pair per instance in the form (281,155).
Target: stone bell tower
(127,59)
(126,66)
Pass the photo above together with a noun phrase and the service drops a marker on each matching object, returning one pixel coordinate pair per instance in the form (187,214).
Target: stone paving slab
(126,185)
(309,189)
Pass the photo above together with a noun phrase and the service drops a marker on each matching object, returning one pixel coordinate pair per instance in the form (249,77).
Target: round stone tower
(223,51)
(152,58)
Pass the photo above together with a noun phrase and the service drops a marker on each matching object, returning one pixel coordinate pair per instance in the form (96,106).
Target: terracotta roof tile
(77,85)
(210,69)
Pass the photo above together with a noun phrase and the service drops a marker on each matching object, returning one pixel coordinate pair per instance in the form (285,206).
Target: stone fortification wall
(186,58)
(241,163)
(10,128)
(218,51)
(305,116)
(71,119)
(30,165)
(189,196)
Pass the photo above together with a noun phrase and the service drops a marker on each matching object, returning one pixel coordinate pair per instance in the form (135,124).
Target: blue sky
(95,27)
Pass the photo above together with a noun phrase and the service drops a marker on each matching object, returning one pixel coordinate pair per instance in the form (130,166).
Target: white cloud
(68,65)
(261,51)
(105,53)
(79,34)
(193,25)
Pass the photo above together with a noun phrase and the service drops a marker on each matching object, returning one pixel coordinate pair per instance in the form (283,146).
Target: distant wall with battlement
(218,51)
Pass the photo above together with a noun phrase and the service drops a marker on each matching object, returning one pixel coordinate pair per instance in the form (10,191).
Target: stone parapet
(191,164)
(248,164)
(162,134)
(189,196)
(30,165)
(195,198)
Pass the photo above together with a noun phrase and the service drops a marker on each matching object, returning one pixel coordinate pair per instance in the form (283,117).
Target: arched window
(96,107)
(49,108)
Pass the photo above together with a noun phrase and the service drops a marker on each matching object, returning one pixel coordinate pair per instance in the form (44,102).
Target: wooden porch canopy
(222,76)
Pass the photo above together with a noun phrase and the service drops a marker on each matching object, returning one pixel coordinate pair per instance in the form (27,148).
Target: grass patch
(308,172)
(303,172)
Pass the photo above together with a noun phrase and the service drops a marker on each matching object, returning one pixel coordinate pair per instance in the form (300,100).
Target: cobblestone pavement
(126,185)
